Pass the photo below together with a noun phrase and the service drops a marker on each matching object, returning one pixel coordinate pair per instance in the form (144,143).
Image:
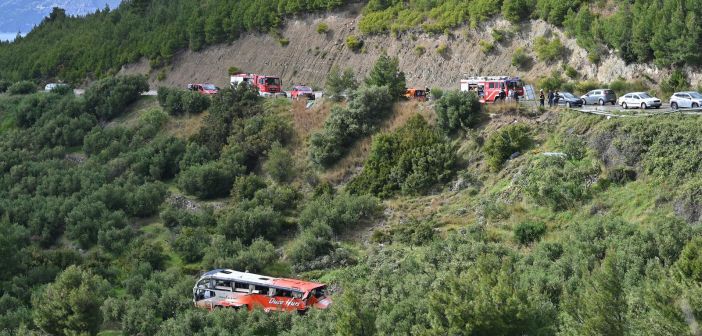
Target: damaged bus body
(225,288)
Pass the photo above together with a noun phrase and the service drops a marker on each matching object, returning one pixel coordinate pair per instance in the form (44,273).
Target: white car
(638,99)
(689,99)
(53,86)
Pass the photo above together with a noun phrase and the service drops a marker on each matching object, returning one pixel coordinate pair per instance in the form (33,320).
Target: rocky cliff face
(309,55)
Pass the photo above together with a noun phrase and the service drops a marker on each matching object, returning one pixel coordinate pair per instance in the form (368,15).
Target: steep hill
(308,55)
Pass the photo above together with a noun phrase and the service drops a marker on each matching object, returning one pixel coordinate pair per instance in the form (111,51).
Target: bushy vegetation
(109,97)
(340,83)
(549,50)
(528,232)
(74,48)
(354,43)
(410,160)
(559,183)
(179,102)
(386,72)
(457,110)
(368,106)
(501,145)
(21,88)
(520,59)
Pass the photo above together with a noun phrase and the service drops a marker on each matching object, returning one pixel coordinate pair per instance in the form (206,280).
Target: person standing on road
(541,98)
(556,98)
(550,98)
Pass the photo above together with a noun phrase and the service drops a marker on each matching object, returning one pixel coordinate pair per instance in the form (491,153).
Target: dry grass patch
(184,127)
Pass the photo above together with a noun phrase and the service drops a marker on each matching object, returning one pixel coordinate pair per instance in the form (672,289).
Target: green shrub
(178,102)
(109,97)
(386,72)
(339,83)
(419,50)
(190,243)
(210,180)
(414,232)
(342,212)
(280,164)
(312,242)
(559,183)
(22,88)
(246,223)
(283,41)
(231,253)
(368,106)
(552,82)
(246,186)
(233,70)
(520,59)
(690,261)
(322,28)
(437,92)
(4,85)
(442,49)
(354,43)
(677,81)
(505,142)
(410,160)
(457,110)
(571,72)
(499,35)
(529,232)
(549,51)
(486,47)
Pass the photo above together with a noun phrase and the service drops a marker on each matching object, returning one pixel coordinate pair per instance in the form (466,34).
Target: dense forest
(108,215)
(74,49)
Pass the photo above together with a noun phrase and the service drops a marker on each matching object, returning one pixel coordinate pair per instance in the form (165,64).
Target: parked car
(53,86)
(599,96)
(205,89)
(301,91)
(689,99)
(569,100)
(639,99)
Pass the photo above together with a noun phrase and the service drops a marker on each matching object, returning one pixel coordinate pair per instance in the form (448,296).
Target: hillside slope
(310,55)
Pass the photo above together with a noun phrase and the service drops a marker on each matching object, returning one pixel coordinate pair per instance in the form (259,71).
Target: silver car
(599,96)
(639,99)
(689,99)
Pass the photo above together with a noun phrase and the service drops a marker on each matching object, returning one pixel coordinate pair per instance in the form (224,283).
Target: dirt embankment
(309,55)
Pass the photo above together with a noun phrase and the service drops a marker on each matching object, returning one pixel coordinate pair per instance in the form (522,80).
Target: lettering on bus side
(287,303)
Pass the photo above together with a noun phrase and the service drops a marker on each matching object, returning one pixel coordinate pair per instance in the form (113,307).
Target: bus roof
(257,279)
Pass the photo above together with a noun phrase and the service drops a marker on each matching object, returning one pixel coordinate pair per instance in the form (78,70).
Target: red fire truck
(268,86)
(225,288)
(488,88)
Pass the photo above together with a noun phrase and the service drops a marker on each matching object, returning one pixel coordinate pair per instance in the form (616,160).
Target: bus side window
(271,291)
(297,295)
(285,293)
(261,290)
(240,287)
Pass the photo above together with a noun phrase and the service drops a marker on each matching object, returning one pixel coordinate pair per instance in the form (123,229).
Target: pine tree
(386,72)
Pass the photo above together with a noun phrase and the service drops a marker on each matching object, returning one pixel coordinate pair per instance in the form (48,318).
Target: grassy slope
(489,197)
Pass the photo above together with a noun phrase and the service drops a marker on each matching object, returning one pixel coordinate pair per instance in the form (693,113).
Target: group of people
(553,97)
(512,95)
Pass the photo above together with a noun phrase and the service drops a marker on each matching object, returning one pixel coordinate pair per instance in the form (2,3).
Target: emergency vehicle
(225,288)
(268,86)
(488,88)
(416,94)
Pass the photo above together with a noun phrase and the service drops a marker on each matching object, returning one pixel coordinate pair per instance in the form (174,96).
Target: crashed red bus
(225,288)
(488,88)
